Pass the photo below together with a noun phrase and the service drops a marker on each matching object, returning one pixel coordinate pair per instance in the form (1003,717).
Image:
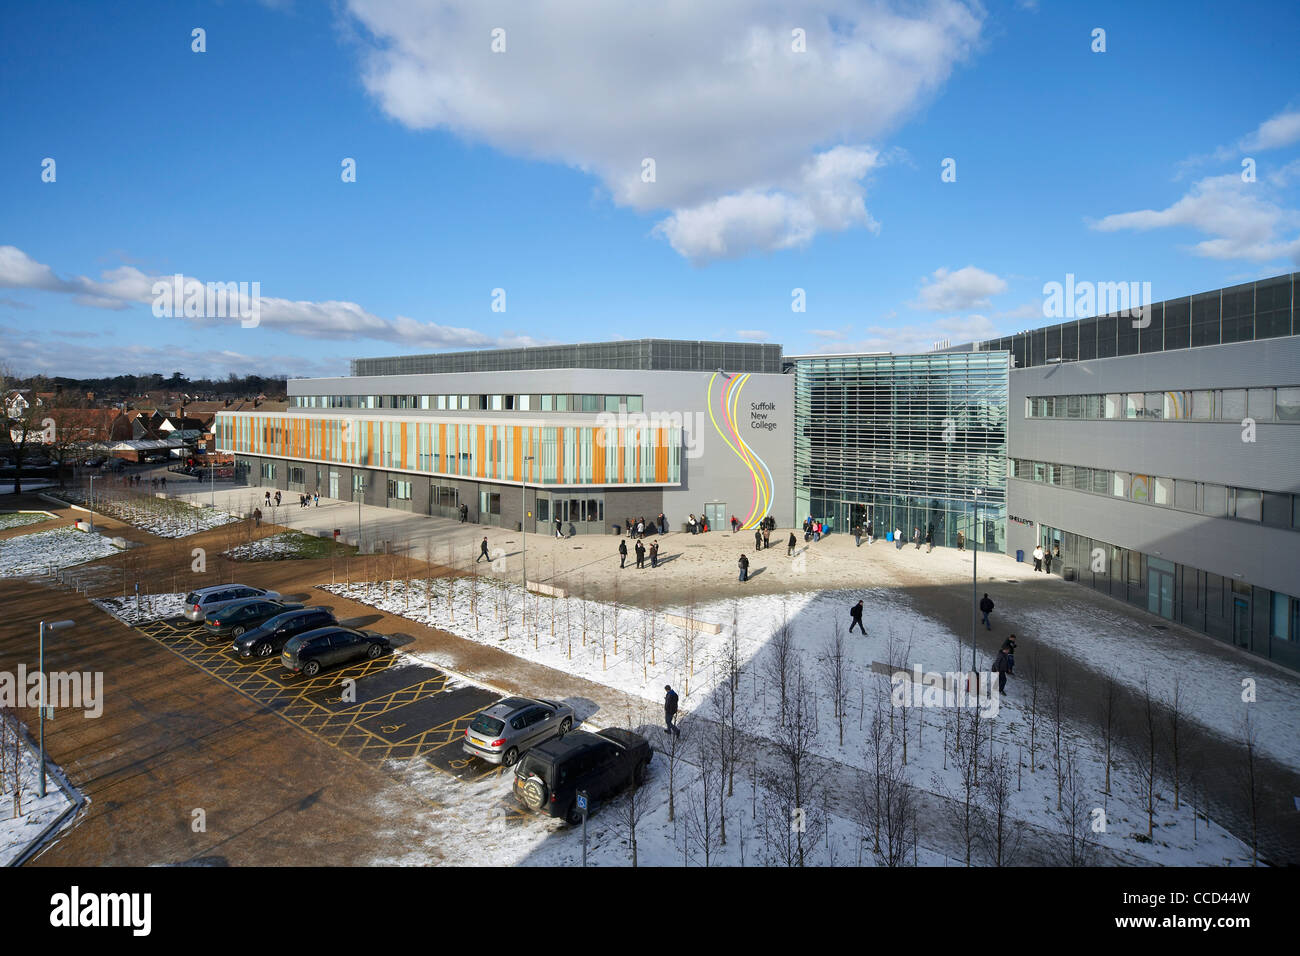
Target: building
(904,441)
(1161,454)
(586,435)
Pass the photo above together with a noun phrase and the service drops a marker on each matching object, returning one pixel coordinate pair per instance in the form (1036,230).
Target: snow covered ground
(16,519)
(37,553)
(7,486)
(16,832)
(490,612)
(149,607)
(164,517)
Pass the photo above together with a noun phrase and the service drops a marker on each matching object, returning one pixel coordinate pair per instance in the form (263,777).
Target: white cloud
(127,286)
(966,288)
(753,335)
(756,147)
(916,338)
(1241,219)
(1280,130)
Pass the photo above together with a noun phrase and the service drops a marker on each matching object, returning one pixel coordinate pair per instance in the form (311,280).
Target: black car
(309,652)
(270,636)
(548,777)
(235,619)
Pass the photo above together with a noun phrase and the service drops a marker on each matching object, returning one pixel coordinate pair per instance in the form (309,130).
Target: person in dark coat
(1002,667)
(670,710)
(871,532)
(855,613)
(640,554)
(622,554)
(663,524)
(790,545)
(857,536)
(654,554)
(559,527)
(743,564)
(483,552)
(257,517)
(986,608)
(758,540)
(1047,560)
(929,541)
(767,539)
(1009,648)
(961,541)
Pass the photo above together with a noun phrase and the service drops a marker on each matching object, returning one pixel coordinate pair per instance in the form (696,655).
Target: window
(1185,495)
(1141,487)
(1233,407)
(525,402)
(611,403)
(1163,489)
(1113,404)
(1092,406)
(1155,405)
(1213,500)
(635,403)
(1121,484)
(1134,405)
(1074,406)
(1260,404)
(1177,404)
(1280,617)
(1245,504)
(1202,405)
(401,490)
(1276,510)
(1288,404)
(561,403)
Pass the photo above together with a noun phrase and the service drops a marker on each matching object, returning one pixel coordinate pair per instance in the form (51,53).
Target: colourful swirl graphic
(760,474)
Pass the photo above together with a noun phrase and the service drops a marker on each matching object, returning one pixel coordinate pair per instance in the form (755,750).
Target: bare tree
(999,835)
(673,757)
(632,806)
(1147,751)
(1109,705)
(834,664)
(963,803)
(702,815)
(1250,781)
(885,801)
(796,819)
(1034,711)
(1075,843)
(780,652)
(1056,706)
(1174,704)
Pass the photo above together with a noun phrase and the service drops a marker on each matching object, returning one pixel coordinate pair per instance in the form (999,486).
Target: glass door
(1240,621)
(1160,587)
(715,513)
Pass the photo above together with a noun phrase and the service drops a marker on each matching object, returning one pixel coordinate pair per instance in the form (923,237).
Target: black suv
(550,775)
(270,636)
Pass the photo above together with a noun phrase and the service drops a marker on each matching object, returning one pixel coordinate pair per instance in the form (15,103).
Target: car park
(271,635)
(311,652)
(500,733)
(232,620)
(549,777)
(202,602)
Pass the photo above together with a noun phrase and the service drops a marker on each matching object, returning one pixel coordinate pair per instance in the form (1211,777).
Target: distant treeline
(131,385)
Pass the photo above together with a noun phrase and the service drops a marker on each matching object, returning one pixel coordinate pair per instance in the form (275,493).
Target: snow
(7,486)
(286,544)
(164,517)
(150,607)
(41,551)
(897,633)
(16,519)
(16,832)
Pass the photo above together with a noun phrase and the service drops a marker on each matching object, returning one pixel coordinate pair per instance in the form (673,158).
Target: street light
(92,502)
(974,578)
(361,487)
(52,626)
(523,520)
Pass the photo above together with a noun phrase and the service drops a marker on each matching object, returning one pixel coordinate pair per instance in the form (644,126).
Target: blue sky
(521,170)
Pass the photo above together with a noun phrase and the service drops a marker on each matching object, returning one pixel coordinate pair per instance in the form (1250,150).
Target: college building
(1159,451)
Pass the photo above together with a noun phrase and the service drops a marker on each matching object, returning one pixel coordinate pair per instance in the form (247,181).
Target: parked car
(326,646)
(232,620)
(500,733)
(548,777)
(271,635)
(200,603)
(95,462)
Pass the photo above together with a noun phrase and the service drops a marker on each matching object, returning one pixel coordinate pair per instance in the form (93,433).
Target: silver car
(500,733)
(199,604)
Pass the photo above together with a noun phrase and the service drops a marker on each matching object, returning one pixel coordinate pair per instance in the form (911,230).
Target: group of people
(637,527)
(305,501)
(697,525)
(641,552)
(814,528)
(277,499)
(1043,556)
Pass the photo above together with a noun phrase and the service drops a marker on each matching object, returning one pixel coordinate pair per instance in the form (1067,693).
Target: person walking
(871,533)
(1047,561)
(735,525)
(929,541)
(767,539)
(1002,667)
(318,499)
(857,536)
(670,711)
(622,554)
(986,608)
(483,551)
(257,517)
(1009,648)
(916,538)
(640,528)
(743,564)
(277,499)
(559,527)
(640,554)
(898,539)
(654,554)
(855,613)
(758,540)
(790,545)
(961,541)
(1038,558)
(268,499)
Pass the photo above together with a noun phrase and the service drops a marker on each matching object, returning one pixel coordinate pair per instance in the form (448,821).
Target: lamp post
(92,502)
(52,626)
(974,580)
(523,520)
(361,487)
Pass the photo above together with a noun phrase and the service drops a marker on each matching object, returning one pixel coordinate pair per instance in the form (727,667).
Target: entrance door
(334,484)
(1240,622)
(1160,588)
(715,513)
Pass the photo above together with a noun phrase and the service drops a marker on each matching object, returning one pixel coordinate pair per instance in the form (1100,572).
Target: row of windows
(478,403)
(1204,405)
(1274,509)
